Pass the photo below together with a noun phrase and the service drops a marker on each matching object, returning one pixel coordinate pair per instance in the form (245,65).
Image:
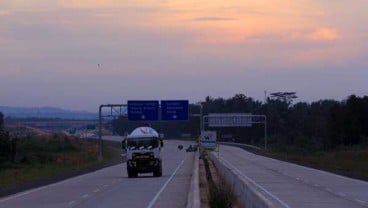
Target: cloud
(316,54)
(319,34)
(213,19)
(3,40)
(4,12)
(323,34)
(337,54)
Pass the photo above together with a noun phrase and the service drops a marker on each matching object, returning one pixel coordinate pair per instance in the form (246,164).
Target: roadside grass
(220,194)
(350,161)
(81,157)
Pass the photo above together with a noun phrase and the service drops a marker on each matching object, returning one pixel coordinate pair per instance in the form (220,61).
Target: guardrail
(240,144)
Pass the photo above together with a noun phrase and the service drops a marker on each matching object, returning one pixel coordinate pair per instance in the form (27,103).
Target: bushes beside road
(30,158)
(349,161)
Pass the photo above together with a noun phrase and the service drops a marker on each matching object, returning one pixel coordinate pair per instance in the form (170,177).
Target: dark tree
(1,121)
(300,127)
(287,97)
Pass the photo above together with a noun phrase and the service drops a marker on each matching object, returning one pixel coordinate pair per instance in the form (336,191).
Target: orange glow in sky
(254,45)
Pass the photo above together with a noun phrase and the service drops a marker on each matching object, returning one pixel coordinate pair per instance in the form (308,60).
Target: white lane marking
(256,184)
(85,196)
(360,201)
(360,182)
(308,168)
(153,201)
(71,203)
(342,194)
(96,190)
(50,185)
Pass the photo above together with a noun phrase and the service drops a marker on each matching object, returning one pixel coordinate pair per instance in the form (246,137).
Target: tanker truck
(143,152)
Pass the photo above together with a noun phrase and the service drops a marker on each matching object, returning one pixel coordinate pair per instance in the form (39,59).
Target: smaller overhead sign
(208,139)
(174,110)
(146,110)
(229,120)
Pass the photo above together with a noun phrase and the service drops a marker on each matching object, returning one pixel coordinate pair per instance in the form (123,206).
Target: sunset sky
(78,54)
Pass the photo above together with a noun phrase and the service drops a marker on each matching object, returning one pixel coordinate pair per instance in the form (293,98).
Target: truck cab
(143,151)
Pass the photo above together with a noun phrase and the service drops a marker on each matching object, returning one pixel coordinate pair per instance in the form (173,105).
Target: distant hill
(45,112)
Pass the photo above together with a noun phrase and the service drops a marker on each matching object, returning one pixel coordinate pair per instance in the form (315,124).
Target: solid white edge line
(308,168)
(153,201)
(361,182)
(256,184)
(7,198)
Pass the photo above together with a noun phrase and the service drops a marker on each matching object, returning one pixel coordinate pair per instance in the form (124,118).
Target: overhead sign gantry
(230,120)
(169,110)
(149,110)
(143,110)
(175,110)
(235,120)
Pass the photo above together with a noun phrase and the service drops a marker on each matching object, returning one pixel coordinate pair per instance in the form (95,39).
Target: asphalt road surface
(110,187)
(289,185)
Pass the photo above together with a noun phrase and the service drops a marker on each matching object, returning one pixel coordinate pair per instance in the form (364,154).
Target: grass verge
(348,161)
(219,193)
(33,171)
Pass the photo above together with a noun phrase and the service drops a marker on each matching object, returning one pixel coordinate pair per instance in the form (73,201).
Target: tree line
(6,150)
(302,126)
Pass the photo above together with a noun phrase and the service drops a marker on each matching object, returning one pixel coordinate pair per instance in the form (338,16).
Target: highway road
(110,187)
(289,185)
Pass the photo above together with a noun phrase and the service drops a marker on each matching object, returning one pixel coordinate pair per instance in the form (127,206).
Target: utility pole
(112,111)
(100,157)
(265,96)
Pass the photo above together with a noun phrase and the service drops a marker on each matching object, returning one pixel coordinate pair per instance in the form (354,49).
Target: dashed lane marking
(71,203)
(85,196)
(153,201)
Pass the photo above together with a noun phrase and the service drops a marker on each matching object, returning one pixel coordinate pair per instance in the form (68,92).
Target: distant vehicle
(192,148)
(143,147)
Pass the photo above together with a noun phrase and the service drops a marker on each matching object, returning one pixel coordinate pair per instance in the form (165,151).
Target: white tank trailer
(143,151)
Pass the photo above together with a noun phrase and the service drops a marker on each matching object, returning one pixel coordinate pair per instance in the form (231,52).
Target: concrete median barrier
(194,200)
(247,193)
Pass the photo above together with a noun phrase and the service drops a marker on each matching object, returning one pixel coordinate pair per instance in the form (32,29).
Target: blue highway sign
(146,110)
(175,110)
